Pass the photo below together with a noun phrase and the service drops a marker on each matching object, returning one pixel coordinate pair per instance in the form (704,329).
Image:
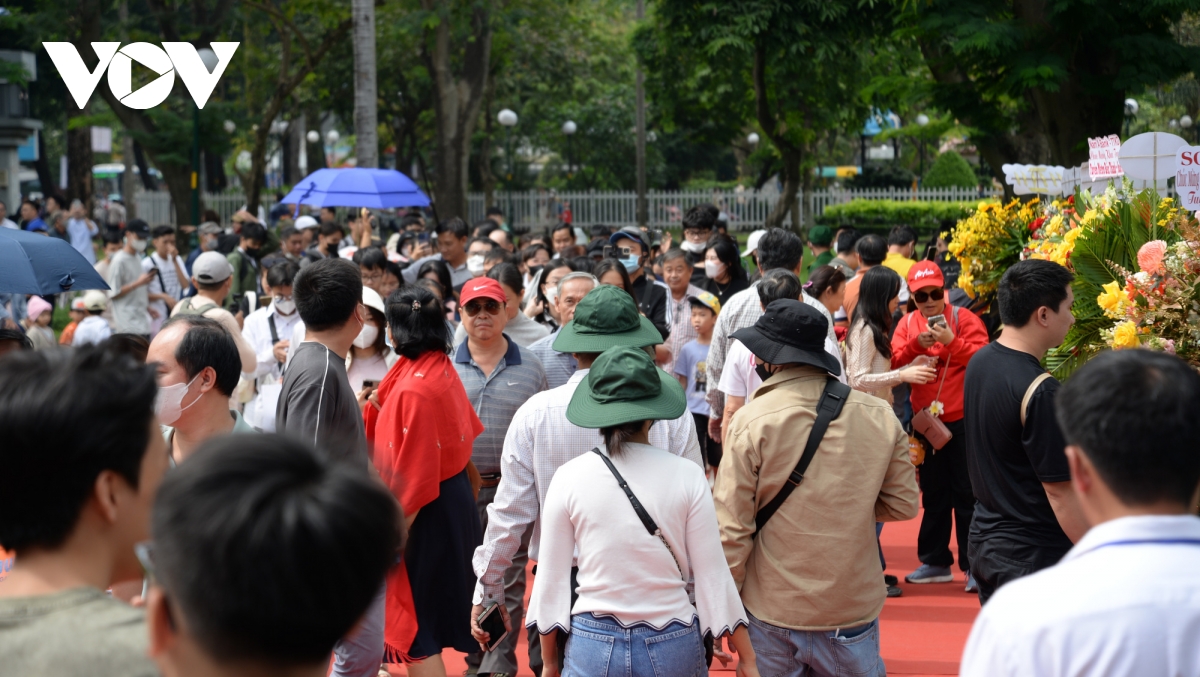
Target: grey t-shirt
(318,406)
(129,311)
(81,631)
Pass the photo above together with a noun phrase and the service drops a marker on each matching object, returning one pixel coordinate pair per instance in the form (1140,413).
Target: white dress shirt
(624,571)
(268,373)
(1125,601)
(540,440)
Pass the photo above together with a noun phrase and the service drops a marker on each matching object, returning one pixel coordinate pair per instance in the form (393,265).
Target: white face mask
(167,404)
(284,306)
(366,337)
(713,269)
(693,247)
(551,294)
(475,264)
(137,244)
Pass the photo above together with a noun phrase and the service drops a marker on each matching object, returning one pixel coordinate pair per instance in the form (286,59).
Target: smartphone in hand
(491,622)
(937,319)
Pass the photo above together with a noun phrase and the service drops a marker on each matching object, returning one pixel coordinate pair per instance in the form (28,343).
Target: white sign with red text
(1104,157)
(1187,176)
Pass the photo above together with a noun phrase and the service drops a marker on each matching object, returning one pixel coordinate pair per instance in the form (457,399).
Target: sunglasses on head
(922,297)
(491,306)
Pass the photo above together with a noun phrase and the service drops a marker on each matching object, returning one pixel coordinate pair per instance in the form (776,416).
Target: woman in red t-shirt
(421,433)
(946,337)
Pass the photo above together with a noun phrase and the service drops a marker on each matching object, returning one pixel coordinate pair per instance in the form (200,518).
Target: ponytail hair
(417,321)
(617,436)
(822,279)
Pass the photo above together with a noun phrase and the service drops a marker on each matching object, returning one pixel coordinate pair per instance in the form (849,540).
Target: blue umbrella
(354,187)
(37,264)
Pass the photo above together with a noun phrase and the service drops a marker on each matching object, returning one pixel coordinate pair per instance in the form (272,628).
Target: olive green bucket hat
(623,385)
(605,318)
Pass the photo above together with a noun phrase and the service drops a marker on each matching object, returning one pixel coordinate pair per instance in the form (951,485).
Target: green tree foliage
(1033,79)
(950,170)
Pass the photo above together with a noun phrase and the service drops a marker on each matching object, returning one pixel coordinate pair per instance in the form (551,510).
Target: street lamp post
(508,119)
(1131,111)
(210,61)
(922,120)
(331,137)
(569,128)
(1185,123)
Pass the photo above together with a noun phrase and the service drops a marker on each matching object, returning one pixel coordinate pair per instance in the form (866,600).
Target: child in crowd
(78,312)
(37,326)
(690,368)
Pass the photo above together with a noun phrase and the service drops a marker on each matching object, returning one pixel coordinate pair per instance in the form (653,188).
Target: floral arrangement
(989,241)
(1052,235)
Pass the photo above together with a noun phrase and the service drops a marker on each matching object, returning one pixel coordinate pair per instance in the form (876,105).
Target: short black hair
(330,227)
(872,250)
(780,248)
(901,235)
(439,268)
(455,225)
(124,343)
(417,321)
(235,530)
(493,211)
(778,283)
(484,228)
(701,217)
(159,231)
(327,292)
(507,274)
(1029,285)
(499,254)
(282,274)
(847,239)
(207,343)
(491,244)
(110,236)
(288,232)
(50,466)
(531,251)
(600,230)
(1133,413)
(18,336)
(370,257)
(559,226)
(254,231)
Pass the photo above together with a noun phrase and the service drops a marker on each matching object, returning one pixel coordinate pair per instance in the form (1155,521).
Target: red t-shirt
(970,335)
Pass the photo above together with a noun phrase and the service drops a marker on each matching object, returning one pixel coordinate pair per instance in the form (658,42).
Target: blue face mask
(630,263)
(387,339)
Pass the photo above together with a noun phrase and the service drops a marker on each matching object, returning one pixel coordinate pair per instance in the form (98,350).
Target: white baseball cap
(372,299)
(211,268)
(95,300)
(305,221)
(752,242)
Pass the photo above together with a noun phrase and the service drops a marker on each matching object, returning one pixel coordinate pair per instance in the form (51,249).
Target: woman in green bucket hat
(642,521)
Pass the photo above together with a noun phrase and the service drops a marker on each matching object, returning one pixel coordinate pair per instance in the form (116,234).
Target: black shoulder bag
(829,407)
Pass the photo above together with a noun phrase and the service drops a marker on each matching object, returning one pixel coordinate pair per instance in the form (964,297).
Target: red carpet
(922,633)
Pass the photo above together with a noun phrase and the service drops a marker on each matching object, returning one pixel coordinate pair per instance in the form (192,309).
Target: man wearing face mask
(209,234)
(698,223)
(127,281)
(633,251)
(198,368)
(244,261)
(267,330)
(211,276)
(477,250)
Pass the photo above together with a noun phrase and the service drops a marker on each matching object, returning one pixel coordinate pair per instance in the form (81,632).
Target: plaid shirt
(540,439)
(743,310)
(679,319)
(496,398)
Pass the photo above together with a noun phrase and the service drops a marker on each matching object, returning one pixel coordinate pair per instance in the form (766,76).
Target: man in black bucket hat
(809,467)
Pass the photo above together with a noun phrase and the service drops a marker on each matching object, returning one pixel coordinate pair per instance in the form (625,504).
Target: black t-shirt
(652,301)
(724,292)
(318,406)
(1008,463)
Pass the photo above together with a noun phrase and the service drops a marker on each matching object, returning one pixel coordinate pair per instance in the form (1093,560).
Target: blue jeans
(826,653)
(599,646)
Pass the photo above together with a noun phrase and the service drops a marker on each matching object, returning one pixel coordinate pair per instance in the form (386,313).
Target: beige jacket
(815,565)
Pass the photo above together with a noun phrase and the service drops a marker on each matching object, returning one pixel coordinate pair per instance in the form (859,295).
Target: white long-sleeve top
(624,571)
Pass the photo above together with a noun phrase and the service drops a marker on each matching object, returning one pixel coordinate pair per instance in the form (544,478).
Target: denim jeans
(783,652)
(599,646)
(360,653)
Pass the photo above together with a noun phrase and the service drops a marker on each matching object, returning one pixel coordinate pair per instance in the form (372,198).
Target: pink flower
(1150,257)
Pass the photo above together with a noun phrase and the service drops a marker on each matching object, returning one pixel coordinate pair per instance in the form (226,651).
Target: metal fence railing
(535,209)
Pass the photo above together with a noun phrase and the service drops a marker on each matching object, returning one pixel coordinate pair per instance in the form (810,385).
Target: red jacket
(969,336)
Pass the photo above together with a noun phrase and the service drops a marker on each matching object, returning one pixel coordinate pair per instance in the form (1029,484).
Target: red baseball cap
(482,287)
(925,274)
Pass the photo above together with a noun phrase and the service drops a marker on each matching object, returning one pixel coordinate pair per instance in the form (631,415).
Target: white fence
(537,209)
(747,210)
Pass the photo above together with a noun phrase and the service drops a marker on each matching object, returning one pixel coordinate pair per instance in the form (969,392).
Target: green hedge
(882,215)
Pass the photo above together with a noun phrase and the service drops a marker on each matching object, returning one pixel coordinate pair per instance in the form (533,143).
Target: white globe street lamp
(922,119)
(507,118)
(1131,107)
(313,136)
(332,136)
(1173,124)
(752,139)
(1185,121)
(230,126)
(569,127)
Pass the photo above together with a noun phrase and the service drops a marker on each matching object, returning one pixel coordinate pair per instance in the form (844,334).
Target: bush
(882,215)
(950,170)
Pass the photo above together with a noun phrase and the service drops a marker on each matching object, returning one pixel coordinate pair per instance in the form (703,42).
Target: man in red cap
(946,337)
(499,376)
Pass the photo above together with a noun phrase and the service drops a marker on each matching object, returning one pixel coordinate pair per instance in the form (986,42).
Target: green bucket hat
(607,317)
(623,385)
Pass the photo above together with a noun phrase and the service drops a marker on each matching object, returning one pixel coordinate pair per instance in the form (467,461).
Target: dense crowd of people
(335,442)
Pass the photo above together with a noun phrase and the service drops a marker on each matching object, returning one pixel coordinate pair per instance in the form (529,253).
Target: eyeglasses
(697,234)
(491,306)
(922,297)
(372,277)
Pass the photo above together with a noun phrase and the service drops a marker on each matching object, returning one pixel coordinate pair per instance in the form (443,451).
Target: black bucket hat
(790,331)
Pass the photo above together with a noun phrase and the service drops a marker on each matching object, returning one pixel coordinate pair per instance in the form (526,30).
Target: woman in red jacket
(422,433)
(945,336)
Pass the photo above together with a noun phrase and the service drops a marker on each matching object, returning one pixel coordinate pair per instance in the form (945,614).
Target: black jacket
(652,302)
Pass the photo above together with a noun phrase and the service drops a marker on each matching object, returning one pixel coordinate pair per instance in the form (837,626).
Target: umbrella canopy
(354,187)
(37,264)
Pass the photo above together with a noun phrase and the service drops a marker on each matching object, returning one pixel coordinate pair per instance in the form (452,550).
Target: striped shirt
(496,398)
(559,366)
(539,441)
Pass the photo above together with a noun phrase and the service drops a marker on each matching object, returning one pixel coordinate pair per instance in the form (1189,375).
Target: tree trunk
(787,198)
(128,188)
(293,140)
(79,159)
(366,125)
(42,165)
(486,177)
(139,157)
(258,164)
(179,185)
(457,100)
